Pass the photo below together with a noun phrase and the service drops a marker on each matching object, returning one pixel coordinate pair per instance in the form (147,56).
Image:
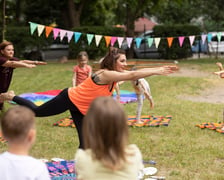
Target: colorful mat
(39,98)
(218,127)
(147,121)
(61,170)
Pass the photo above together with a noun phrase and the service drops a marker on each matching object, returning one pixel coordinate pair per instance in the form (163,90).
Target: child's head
(17,123)
(105,131)
(82,58)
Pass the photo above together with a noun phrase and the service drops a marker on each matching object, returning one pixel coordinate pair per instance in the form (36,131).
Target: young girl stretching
(107,154)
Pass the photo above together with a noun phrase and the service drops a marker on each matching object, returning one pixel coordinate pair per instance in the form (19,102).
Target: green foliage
(93,51)
(175,51)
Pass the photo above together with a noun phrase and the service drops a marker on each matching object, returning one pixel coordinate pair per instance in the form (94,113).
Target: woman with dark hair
(101,83)
(8,63)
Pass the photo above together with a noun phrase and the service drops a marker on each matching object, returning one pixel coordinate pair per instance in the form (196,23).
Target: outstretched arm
(114,76)
(16,64)
(34,62)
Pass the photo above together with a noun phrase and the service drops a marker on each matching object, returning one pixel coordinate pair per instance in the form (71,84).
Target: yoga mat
(218,127)
(148,121)
(39,98)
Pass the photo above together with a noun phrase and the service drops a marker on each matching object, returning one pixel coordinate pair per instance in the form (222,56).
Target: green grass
(181,150)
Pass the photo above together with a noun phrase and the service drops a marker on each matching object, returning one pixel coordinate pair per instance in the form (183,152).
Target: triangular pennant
(129,41)
(203,38)
(69,35)
(191,38)
(56,32)
(120,41)
(97,39)
(181,40)
(77,36)
(107,39)
(150,41)
(48,30)
(89,38)
(40,29)
(113,40)
(33,27)
(62,34)
(209,37)
(170,41)
(138,42)
(157,41)
(219,35)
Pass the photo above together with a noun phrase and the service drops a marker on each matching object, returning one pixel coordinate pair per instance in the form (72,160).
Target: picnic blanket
(39,98)
(218,127)
(61,170)
(148,121)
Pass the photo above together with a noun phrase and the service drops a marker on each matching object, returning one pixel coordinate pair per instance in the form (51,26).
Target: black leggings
(57,105)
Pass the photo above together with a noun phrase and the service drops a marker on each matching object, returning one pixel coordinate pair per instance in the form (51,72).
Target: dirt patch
(213,94)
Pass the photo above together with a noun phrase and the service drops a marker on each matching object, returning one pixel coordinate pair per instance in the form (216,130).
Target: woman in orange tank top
(101,83)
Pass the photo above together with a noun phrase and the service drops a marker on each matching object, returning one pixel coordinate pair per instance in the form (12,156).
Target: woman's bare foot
(8,96)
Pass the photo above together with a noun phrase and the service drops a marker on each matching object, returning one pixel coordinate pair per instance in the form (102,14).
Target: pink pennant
(113,40)
(203,38)
(181,40)
(56,32)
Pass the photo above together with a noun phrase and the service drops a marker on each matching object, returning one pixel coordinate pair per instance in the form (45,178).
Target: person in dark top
(8,63)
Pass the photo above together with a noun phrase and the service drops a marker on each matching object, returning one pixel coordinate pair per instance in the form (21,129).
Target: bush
(175,51)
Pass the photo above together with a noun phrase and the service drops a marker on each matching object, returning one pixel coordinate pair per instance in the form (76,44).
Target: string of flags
(111,40)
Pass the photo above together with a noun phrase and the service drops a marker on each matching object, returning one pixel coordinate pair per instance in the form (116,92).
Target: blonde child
(81,71)
(106,149)
(142,89)
(18,128)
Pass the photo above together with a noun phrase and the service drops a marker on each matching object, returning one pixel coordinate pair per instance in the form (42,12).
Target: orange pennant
(48,30)
(107,39)
(170,41)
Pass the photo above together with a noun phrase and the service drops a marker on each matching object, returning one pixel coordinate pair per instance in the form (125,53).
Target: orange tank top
(86,92)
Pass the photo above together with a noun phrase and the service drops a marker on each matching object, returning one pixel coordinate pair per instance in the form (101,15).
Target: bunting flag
(107,40)
(89,38)
(219,34)
(33,27)
(97,39)
(138,42)
(56,32)
(191,38)
(40,29)
(129,41)
(181,40)
(170,41)
(120,41)
(77,36)
(69,35)
(157,41)
(150,41)
(203,38)
(111,40)
(62,34)
(48,30)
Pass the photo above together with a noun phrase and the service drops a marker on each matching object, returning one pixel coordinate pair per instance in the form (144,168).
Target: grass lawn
(181,150)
